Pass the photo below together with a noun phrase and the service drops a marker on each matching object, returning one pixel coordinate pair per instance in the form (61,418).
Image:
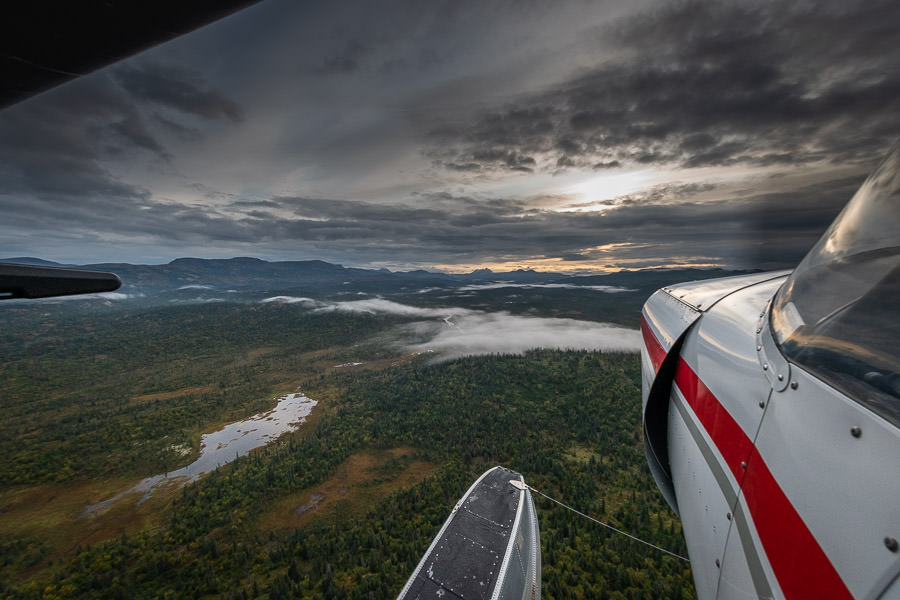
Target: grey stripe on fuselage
(757,574)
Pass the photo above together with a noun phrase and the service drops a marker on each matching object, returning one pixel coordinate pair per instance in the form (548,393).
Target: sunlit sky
(564,136)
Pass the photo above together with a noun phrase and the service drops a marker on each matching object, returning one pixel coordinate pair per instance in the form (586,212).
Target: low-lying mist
(453,332)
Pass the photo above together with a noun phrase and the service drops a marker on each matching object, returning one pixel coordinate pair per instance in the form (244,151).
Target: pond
(225,445)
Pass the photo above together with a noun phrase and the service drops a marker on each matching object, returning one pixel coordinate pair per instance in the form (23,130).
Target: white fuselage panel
(786,487)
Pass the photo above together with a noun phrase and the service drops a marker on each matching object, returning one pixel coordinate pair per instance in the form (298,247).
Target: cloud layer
(454,332)
(606,289)
(573,137)
(707,84)
(502,333)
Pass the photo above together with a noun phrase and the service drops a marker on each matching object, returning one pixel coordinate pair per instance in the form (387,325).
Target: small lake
(223,446)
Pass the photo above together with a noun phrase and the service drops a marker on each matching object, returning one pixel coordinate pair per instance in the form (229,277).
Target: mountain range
(248,274)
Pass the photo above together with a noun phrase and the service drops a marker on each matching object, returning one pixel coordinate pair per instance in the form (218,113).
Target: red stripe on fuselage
(654,349)
(800,565)
(802,568)
(730,439)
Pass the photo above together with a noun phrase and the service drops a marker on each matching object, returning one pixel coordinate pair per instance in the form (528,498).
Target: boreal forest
(98,395)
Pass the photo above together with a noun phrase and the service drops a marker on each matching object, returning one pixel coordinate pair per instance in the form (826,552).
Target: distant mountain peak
(247,259)
(235,260)
(30,260)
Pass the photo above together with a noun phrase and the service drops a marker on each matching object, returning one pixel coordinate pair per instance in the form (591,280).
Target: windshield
(836,315)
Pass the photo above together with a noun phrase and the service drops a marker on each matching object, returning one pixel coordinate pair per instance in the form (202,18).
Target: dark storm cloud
(668,193)
(756,230)
(177,88)
(179,130)
(346,61)
(131,128)
(704,83)
(59,152)
(661,226)
(750,229)
(317,208)
(323,157)
(456,203)
(53,150)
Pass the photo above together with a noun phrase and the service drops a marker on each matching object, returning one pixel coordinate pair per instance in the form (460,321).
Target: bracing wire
(607,525)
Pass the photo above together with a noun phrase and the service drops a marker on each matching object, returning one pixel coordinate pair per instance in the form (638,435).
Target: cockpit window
(837,314)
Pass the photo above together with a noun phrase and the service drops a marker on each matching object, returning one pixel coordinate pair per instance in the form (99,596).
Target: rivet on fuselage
(743,465)
(794,385)
(759,348)
(891,544)
(855,431)
(762,404)
(717,563)
(766,367)
(728,516)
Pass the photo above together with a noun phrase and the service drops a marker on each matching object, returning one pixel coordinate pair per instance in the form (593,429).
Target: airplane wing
(488,547)
(45,43)
(27,281)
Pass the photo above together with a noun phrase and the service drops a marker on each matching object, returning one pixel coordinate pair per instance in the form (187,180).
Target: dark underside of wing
(44,43)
